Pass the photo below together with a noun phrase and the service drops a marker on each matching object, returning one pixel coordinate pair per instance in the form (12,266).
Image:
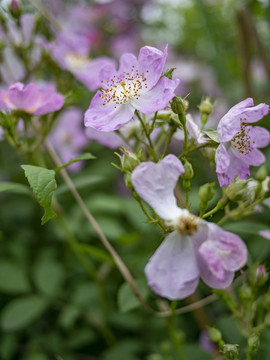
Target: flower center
(76,61)
(187,224)
(242,140)
(120,89)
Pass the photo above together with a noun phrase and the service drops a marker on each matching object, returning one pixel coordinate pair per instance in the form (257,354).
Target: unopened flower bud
(231,351)
(266,184)
(207,192)
(206,107)
(261,173)
(214,335)
(253,343)
(186,185)
(15,9)
(179,105)
(188,174)
(129,160)
(237,190)
(261,275)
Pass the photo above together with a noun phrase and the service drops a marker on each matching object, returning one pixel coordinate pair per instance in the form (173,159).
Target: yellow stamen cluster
(242,140)
(121,88)
(187,224)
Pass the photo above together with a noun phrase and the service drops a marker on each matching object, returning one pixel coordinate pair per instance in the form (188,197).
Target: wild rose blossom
(239,141)
(71,52)
(195,249)
(32,98)
(136,86)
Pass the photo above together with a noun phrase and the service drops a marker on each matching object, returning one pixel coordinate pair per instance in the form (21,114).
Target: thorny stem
(118,261)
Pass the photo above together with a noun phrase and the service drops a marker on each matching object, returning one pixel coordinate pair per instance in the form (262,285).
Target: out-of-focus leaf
(13,279)
(21,312)
(81,337)
(42,182)
(49,276)
(68,316)
(124,350)
(14,187)
(36,356)
(127,300)
(96,253)
(245,227)
(85,156)
(194,351)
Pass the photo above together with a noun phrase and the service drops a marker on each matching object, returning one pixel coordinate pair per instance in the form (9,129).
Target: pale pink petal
(222,159)
(151,62)
(259,136)
(107,117)
(155,183)
(254,158)
(127,61)
(157,98)
(172,271)
(255,113)
(265,234)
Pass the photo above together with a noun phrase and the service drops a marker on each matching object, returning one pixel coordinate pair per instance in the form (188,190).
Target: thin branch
(118,261)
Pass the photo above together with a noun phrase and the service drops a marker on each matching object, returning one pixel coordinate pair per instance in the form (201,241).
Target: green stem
(172,329)
(154,122)
(151,146)
(187,199)
(169,138)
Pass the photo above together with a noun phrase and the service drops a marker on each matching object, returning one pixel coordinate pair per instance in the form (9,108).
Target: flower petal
(107,117)
(151,62)
(265,234)
(222,159)
(237,168)
(254,158)
(259,136)
(255,113)
(172,271)
(157,98)
(155,183)
(126,62)
(220,255)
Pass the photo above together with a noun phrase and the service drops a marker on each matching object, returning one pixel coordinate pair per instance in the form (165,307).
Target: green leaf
(20,313)
(127,300)
(69,315)
(13,280)
(213,135)
(85,156)
(49,276)
(96,253)
(43,184)
(14,187)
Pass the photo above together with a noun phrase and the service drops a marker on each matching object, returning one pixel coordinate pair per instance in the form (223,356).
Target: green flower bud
(230,351)
(237,190)
(261,276)
(214,335)
(253,343)
(128,160)
(15,9)
(207,192)
(179,105)
(188,171)
(206,107)
(261,173)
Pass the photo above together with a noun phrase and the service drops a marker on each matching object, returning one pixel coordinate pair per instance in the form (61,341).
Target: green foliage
(126,298)
(21,312)
(82,157)
(13,279)
(43,184)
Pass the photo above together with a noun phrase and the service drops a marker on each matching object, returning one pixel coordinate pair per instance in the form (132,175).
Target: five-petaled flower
(32,98)
(195,249)
(137,85)
(239,141)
